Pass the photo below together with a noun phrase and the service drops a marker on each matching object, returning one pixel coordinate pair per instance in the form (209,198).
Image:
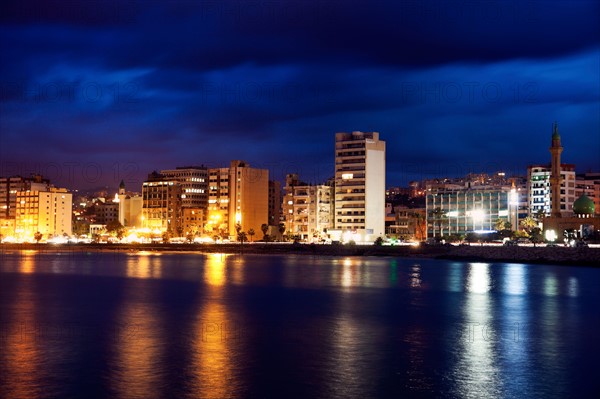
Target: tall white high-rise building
(360,185)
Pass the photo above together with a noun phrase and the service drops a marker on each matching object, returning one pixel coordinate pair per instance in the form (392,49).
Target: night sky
(97,92)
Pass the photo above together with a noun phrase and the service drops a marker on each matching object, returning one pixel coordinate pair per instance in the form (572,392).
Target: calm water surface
(147,325)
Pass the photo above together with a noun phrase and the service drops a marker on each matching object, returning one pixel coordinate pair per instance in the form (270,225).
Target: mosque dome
(583,206)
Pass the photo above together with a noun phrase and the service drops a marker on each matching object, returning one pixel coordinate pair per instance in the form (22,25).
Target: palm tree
(528,224)
(251,233)
(539,214)
(241,237)
(419,230)
(37,236)
(264,228)
(281,228)
(499,225)
(536,236)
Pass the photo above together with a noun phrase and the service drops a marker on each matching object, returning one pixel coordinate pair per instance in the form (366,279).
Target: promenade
(484,253)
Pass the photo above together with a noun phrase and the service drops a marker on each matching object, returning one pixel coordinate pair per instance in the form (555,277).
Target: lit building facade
(193,181)
(359,185)
(130,207)
(308,209)
(540,193)
(217,220)
(459,210)
(237,195)
(161,208)
(9,186)
(47,211)
(248,197)
(192,220)
(474,203)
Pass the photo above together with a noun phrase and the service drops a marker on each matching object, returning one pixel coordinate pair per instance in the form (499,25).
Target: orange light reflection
(214,336)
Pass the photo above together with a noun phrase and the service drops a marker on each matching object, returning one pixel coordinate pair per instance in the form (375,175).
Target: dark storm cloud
(406,33)
(452,86)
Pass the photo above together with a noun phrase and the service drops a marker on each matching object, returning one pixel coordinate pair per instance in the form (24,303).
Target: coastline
(473,253)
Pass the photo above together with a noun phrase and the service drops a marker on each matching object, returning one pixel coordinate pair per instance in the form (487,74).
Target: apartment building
(359,185)
(308,209)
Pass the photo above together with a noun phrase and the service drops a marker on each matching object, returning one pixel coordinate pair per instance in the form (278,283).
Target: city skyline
(97,93)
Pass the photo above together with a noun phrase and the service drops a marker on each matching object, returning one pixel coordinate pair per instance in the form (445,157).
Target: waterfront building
(130,207)
(193,181)
(9,186)
(193,201)
(540,192)
(238,196)
(308,209)
(217,221)
(192,221)
(47,210)
(566,213)
(359,186)
(408,224)
(589,184)
(161,205)
(107,212)
(551,188)
(473,204)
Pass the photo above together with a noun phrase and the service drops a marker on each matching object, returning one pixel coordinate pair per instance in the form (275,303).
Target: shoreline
(474,253)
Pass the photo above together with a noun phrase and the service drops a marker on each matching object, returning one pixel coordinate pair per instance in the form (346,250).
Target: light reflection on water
(362,327)
(144,265)
(138,344)
(212,356)
(515,278)
(476,371)
(20,347)
(28,262)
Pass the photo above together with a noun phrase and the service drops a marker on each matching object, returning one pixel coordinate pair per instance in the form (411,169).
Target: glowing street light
(551,235)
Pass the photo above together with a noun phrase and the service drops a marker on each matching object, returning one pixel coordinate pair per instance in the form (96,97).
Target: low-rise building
(589,184)
(130,207)
(473,204)
(409,224)
(107,212)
